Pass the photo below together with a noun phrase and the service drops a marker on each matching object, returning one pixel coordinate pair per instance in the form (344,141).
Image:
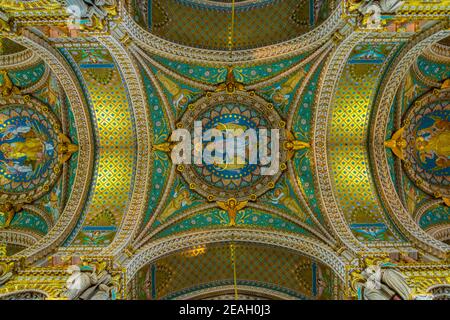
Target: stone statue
(385,6)
(381,282)
(86,284)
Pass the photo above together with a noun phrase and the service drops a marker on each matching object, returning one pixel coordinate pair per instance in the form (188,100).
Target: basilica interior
(93,205)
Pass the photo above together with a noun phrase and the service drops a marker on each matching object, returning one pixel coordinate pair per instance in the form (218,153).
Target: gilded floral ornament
(5,26)
(230,85)
(353,5)
(17,5)
(163,147)
(445,84)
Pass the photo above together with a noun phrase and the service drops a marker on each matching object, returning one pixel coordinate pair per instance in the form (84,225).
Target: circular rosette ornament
(28,149)
(241,141)
(427,134)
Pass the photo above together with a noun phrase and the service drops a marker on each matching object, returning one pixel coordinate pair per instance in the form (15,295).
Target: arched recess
(300,245)
(250,269)
(80,187)
(379,160)
(227,292)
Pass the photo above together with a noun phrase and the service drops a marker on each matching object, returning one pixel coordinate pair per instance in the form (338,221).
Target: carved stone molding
(303,43)
(76,199)
(24,295)
(420,211)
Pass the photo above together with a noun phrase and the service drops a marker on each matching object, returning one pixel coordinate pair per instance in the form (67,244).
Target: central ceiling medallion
(225,175)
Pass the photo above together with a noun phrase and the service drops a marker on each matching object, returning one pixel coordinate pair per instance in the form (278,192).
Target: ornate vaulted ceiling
(91,93)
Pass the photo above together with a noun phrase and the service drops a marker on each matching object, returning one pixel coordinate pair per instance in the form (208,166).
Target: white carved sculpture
(372,14)
(383,283)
